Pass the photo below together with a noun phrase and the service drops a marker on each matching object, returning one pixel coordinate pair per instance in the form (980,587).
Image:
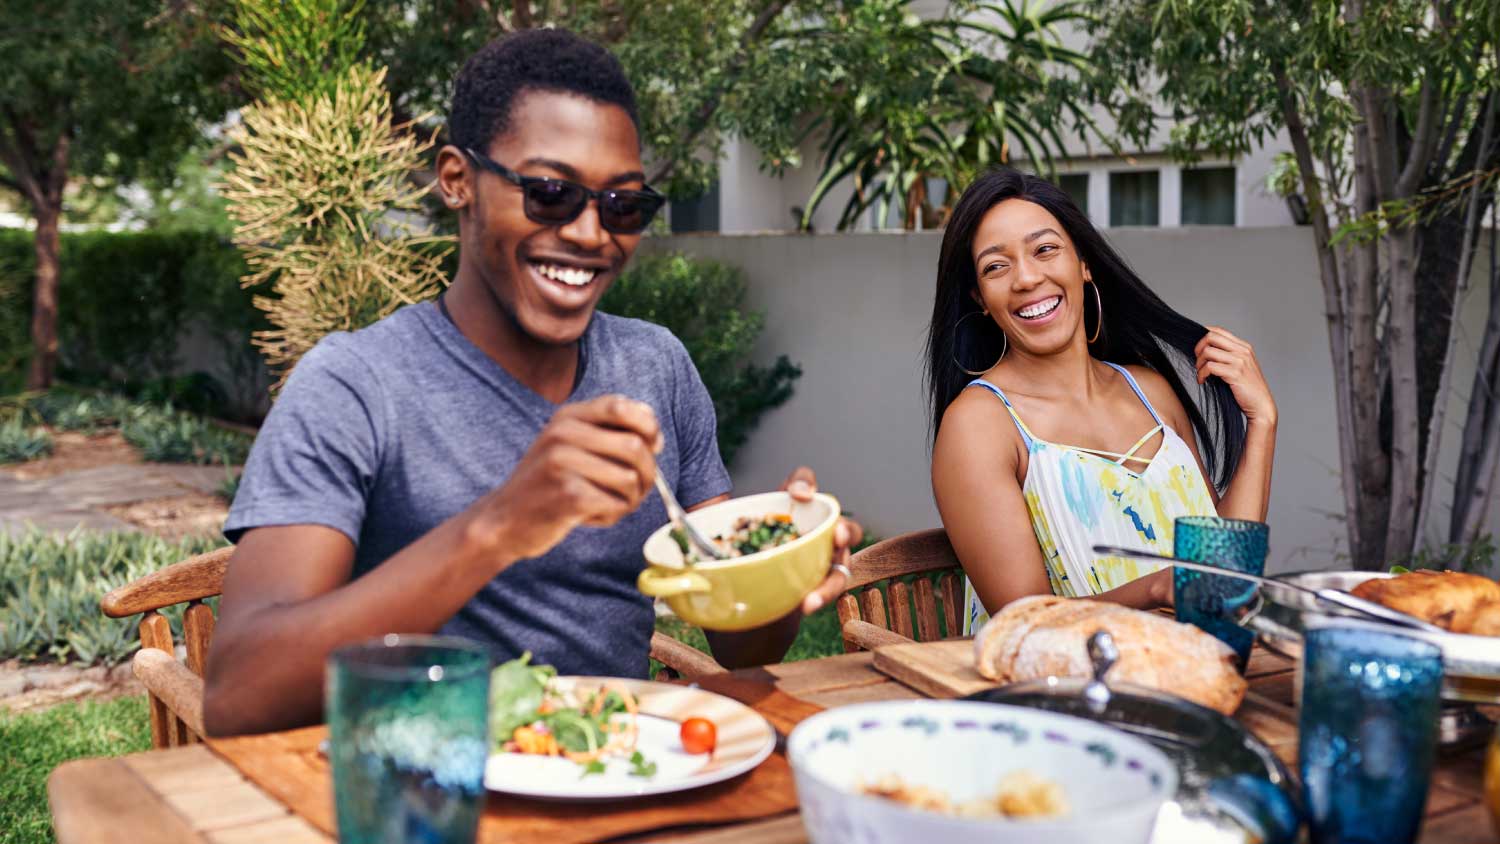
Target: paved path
(75,499)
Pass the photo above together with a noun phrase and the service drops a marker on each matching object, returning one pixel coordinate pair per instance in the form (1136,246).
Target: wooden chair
(175,689)
(866,620)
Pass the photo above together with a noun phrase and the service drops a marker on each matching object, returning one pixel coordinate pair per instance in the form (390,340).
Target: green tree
(902,99)
(1390,109)
(111,88)
(891,93)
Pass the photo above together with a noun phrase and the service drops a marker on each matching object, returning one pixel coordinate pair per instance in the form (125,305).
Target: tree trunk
(1401,347)
(1361,283)
(44,308)
(1480,450)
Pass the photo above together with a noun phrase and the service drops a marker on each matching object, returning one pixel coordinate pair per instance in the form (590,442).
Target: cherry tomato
(698,735)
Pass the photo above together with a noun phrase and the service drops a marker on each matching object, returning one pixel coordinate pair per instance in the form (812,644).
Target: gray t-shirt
(388,431)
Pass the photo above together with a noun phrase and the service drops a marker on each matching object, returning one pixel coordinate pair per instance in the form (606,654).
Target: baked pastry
(1045,636)
(1454,601)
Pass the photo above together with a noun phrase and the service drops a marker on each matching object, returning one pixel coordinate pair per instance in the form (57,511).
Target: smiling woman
(1062,334)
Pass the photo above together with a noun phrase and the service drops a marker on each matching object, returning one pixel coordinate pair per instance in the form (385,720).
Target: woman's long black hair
(1138,326)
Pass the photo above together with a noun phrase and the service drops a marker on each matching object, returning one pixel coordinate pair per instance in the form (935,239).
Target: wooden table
(188,794)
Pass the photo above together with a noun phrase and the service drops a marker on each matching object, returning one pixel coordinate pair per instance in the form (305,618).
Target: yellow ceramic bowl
(749,591)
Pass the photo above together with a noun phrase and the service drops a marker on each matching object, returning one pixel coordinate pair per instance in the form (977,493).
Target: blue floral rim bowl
(1113,784)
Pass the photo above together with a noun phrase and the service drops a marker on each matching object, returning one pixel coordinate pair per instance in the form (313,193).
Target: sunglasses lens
(627,213)
(554,201)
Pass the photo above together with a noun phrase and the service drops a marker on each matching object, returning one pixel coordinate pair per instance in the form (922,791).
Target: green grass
(32,744)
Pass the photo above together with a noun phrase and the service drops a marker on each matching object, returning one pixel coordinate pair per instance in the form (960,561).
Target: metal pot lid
(1226,772)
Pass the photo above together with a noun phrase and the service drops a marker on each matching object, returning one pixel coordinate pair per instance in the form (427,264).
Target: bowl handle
(663,583)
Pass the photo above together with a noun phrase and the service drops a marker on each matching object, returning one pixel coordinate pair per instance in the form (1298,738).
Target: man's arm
(289,601)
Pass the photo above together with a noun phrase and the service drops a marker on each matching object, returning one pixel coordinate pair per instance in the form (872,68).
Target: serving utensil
(678,516)
(1343,600)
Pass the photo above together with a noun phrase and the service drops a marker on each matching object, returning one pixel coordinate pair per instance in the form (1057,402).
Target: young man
(483,465)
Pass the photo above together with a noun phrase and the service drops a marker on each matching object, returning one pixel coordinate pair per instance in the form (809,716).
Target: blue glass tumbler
(408,723)
(1368,731)
(1208,601)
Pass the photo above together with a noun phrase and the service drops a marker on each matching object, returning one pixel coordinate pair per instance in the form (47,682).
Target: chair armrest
(173,684)
(867,636)
(686,660)
(190,580)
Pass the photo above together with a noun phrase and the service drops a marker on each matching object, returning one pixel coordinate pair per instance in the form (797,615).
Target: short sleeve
(315,458)
(702,474)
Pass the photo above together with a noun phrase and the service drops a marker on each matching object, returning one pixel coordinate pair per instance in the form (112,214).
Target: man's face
(549,277)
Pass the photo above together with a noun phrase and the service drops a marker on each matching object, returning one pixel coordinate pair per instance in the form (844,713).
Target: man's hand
(802,483)
(591,465)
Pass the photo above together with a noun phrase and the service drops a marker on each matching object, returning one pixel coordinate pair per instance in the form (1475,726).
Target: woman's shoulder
(971,421)
(1159,392)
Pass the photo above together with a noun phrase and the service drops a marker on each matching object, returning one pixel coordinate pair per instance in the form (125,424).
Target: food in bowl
(957,751)
(749,535)
(1021,794)
(750,590)
(1042,636)
(1455,601)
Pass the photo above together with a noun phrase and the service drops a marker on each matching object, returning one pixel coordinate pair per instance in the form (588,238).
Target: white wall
(852,309)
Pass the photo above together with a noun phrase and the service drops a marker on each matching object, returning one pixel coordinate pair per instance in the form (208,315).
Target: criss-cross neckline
(1117,460)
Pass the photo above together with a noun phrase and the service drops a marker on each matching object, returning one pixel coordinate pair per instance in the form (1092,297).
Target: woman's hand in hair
(1233,360)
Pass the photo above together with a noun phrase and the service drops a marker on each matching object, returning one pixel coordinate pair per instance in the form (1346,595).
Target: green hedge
(124,302)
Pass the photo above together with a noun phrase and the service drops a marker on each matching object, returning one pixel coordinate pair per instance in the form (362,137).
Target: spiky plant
(320,188)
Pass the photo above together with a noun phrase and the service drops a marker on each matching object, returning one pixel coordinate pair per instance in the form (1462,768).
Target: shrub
(165,435)
(89,413)
(50,586)
(19,443)
(703,303)
(126,302)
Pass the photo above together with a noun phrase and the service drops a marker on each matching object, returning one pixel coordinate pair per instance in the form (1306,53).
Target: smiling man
(483,465)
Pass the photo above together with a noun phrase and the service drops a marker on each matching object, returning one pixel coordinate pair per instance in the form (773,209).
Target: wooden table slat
(104,800)
(285,830)
(233,805)
(1468,826)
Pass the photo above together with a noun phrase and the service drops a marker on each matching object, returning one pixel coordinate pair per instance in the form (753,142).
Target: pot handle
(1259,805)
(665,583)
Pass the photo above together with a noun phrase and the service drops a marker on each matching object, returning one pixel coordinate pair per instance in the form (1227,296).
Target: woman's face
(1030,277)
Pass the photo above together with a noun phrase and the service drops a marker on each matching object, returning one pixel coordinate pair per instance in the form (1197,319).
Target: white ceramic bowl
(1115,783)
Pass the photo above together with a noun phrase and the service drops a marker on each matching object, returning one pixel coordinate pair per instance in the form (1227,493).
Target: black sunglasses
(557,202)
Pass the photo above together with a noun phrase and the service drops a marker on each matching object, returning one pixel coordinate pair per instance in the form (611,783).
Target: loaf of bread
(1046,636)
(1454,601)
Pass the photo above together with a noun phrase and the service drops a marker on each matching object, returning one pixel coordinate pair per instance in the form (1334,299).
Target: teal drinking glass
(1367,731)
(408,722)
(1208,601)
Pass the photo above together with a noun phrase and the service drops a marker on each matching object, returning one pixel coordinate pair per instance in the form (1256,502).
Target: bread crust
(1041,639)
(1455,601)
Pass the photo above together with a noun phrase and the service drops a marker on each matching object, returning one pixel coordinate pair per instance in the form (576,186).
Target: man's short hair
(532,60)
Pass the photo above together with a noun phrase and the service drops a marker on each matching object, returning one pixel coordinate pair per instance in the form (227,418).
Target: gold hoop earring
(1099,307)
(954,353)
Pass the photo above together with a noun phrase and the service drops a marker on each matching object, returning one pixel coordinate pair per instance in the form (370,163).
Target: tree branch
(12,184)
(1423,139)
(762,22)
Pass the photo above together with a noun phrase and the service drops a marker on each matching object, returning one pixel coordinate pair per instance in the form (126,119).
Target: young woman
(1062,409)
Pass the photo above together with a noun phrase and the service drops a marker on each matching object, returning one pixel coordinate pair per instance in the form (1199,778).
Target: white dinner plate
(745,739)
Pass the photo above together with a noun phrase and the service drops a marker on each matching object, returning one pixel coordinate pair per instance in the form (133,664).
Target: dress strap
(1020,426)
(1130,379)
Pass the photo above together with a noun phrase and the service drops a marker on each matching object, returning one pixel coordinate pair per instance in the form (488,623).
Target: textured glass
(1208,196)
(1076,186)
(1368,732)
(1208,601)
(408,720)
(1135,198)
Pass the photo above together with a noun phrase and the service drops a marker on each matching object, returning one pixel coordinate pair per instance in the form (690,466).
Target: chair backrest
(189,582)
(919,553)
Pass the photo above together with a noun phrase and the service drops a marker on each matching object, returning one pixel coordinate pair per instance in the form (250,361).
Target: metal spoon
(680,521)
(1328,596)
